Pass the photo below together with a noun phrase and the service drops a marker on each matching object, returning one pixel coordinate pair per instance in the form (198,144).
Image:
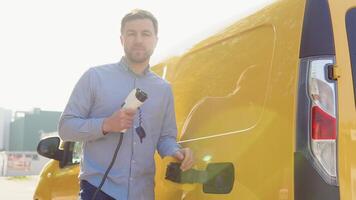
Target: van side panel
(241,110)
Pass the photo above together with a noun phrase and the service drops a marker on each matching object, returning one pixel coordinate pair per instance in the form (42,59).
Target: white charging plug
(134,100)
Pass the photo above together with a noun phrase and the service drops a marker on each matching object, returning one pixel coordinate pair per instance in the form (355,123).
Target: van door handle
(218,178)
(175,174)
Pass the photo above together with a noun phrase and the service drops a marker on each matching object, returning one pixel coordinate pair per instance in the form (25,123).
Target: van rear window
(351,35)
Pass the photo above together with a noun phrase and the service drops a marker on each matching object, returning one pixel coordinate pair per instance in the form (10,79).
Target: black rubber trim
(317,36)
(303,114)
(308,184)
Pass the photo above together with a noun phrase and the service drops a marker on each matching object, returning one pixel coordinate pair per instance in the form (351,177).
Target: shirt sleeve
(74,124)
(167,144)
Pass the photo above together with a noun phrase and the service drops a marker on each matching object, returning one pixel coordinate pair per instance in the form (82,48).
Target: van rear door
(343,16)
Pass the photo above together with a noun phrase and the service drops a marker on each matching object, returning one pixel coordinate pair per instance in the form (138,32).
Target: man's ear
(122,40)
(156,41)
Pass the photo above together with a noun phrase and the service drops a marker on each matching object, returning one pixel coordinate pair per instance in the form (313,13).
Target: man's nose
(138,38)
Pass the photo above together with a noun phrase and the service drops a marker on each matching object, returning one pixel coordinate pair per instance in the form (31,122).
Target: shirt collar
(124,64)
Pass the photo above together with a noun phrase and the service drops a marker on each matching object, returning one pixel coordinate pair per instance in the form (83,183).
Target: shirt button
(131,179)
(135,143)
(133,161)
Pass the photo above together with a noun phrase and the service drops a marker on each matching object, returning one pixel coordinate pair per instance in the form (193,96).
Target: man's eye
(147,34)
(131,34)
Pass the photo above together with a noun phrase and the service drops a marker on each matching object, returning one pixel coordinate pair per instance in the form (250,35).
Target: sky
(46,45)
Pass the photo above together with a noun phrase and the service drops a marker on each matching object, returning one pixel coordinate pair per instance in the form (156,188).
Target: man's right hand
(120,120)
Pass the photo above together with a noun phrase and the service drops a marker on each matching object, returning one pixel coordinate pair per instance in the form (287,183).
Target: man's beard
(137,57)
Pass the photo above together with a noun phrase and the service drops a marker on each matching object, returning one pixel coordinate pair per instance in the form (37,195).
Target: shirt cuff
(97,128)
(170,151)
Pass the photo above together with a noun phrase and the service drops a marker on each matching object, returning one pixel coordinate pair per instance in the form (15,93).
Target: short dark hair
(139,14)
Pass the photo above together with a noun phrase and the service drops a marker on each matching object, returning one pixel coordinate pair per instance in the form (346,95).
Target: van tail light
(323,125)
(323,119)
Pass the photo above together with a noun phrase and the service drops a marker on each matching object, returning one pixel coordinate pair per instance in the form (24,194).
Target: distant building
(28,127)
(22,163)
(5,121)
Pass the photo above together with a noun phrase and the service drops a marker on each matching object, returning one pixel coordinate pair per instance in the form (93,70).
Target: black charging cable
(110,166)
(133,100)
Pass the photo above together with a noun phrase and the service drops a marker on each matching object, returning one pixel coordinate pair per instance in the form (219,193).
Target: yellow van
(267,105)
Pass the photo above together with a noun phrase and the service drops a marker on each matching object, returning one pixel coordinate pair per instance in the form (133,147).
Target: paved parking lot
(18,188)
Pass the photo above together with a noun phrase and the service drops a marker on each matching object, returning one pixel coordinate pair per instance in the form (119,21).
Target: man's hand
(185,155)
(120,120)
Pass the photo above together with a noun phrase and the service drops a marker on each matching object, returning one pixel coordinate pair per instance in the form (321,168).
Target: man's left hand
(185,155)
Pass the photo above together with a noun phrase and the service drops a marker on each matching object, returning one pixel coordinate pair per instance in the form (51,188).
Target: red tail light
(323,125)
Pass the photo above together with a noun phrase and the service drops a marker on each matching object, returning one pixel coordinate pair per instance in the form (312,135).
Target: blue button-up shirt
(99,93)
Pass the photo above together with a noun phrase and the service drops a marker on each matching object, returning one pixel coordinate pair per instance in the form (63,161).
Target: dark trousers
(87,191)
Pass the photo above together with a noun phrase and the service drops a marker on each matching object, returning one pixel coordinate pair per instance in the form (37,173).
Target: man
(94,117)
